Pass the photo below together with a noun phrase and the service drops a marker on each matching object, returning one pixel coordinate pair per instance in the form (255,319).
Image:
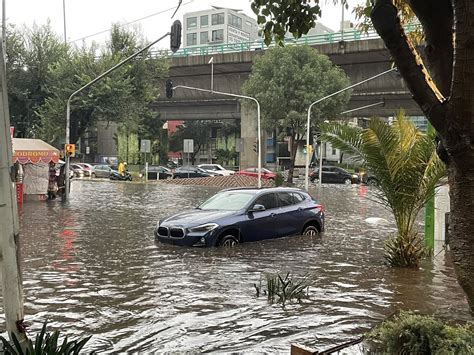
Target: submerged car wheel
(347,181)
(310,231)
(228,240)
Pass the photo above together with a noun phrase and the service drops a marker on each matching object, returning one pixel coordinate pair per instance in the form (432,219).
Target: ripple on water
(94,268)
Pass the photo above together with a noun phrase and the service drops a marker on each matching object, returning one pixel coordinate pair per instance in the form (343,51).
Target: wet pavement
(93,268)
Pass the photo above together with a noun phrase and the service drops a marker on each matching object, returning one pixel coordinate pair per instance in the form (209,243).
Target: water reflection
(92,267)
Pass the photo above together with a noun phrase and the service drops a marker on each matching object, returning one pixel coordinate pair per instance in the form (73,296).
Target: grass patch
(285,289)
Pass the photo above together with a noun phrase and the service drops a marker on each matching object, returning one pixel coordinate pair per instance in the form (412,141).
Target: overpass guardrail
(222,48)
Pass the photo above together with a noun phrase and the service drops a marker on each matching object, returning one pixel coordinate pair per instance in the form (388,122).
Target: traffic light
(169,88)
(255,146)
(175,36)
(70,150)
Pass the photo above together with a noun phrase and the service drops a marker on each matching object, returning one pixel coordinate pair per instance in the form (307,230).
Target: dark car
(235,216)
(368,179)
(157,173)
(334,175)
(191,172)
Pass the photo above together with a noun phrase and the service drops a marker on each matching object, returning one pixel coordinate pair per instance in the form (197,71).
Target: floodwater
(93,268)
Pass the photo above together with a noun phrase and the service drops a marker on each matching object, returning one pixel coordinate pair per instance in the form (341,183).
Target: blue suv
(235,216)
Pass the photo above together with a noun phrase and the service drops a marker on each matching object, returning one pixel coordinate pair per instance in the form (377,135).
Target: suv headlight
(203,228)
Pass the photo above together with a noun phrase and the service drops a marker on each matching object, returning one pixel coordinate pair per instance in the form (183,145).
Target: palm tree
(407,168)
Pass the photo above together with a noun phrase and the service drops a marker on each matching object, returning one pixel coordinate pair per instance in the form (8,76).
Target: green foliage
(224,156)
(408,333)
(45,343)
(286,81)
(279,179)
(199,131)
(43,72)
(405,163)
(285,289)
(30,55)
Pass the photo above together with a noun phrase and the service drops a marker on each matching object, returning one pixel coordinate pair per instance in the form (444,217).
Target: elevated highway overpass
(360,59)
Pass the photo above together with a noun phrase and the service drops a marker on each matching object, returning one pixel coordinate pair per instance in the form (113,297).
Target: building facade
(216,26)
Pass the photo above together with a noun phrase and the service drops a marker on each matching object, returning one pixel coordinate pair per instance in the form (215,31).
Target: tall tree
(30,55)
(443,89)
(285,81)
(122,97)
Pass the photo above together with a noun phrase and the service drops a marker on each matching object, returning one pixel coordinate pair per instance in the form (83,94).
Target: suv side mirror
(257,208)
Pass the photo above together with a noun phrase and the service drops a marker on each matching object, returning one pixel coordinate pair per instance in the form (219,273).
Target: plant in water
(45,343)
(409,333)
(284,289)
(407,169)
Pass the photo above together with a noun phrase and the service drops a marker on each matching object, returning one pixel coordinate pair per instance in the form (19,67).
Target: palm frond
(344,137)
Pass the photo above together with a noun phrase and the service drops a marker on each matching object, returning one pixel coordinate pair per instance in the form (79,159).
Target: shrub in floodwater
(405,251)
(279,179)
(45,343)
(285,289)
(409,333)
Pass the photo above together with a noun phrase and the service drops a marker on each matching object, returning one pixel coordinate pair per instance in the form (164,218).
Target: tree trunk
(294,148)
(461,235)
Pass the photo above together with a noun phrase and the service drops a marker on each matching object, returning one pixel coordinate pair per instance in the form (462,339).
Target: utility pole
(9,226)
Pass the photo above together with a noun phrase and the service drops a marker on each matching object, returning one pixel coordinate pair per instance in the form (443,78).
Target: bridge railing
(221,48)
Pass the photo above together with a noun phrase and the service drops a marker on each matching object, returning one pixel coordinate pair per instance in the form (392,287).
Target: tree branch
(425,92)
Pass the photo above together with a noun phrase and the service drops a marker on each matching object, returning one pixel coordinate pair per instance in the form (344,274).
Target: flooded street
(93,268)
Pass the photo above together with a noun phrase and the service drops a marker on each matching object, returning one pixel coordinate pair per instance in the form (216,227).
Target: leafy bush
(409,333)
(284,289)
(279,179)
(45,343)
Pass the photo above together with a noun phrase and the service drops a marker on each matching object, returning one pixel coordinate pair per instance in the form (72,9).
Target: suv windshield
(227,201)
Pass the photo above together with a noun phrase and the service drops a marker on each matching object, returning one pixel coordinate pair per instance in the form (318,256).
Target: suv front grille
(176,232)
(163,231)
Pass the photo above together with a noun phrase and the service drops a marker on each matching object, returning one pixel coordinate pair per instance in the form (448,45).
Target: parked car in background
(266,174)
(239,215)
(191,172)
(157,173)
(216,169)
(102,171)
(88,168)
(334,175)
(77,170)
(171,164)
(368,179)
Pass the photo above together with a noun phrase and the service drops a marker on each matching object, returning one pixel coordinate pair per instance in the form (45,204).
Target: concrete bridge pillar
(248,134)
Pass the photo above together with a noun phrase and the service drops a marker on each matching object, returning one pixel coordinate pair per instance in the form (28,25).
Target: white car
(216,169)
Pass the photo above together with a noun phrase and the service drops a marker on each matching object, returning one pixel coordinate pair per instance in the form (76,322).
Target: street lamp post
(259,154)
(308,123)
(68,105)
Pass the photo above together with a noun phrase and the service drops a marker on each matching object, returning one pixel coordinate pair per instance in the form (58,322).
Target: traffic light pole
(308,123)
(68,105)
(259,155)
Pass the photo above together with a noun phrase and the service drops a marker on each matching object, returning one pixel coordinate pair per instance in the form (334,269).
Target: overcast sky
(84,18)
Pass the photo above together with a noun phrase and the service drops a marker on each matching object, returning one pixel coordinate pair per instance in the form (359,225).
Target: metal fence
(221,48)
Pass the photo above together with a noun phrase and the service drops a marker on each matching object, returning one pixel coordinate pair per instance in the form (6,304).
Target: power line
(131,22)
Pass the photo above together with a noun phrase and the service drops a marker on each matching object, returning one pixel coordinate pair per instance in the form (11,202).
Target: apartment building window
(191,39)
(203,37)
(218,19)
(235,21)
(191,22)
(204,21)
(248,24)
(217,35)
